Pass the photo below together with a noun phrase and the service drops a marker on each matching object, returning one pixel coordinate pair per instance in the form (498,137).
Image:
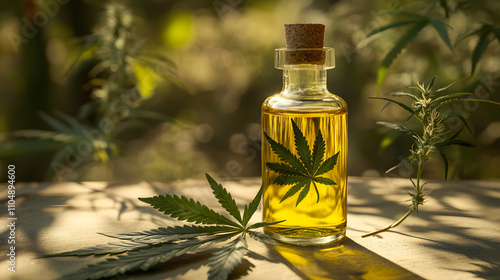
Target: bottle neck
(304,81)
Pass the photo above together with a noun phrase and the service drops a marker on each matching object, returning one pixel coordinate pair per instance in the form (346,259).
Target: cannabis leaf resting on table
(301,172)
(434,135)
(144,249)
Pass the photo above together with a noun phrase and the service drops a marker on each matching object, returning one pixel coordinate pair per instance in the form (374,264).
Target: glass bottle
(321,216)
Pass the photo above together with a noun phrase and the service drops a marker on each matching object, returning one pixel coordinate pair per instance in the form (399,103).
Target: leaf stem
(395,224)
(416,201)
(316,189)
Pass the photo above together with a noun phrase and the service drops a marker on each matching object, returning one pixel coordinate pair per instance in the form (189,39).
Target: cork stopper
(305,36)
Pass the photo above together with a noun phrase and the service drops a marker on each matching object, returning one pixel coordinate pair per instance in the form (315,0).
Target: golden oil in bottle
(321,215)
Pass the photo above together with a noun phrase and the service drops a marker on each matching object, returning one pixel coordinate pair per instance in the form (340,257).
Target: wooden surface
(456,235)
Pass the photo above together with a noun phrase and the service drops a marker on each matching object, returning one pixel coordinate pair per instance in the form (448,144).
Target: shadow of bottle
(342,260)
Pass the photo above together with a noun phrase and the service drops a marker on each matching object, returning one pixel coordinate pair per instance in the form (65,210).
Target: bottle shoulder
(317,103)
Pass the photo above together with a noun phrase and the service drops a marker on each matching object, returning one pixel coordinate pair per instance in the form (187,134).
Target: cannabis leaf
(416,23)
(486,34)
(143,249)
(303,171)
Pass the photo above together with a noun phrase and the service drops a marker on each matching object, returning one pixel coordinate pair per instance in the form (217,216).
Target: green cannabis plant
(437,14)
(143,249)
(432,136)
(122,76)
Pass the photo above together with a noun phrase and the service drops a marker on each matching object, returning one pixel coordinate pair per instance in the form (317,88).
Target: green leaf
(42,134)
(406,160)
(303,194)
(288,180)
(25,146)
(444,158)
(102,249)
(429,86)
(225,198)
(284,154)
(454,136)
(318,151)
(415,113)
(56,124)
(455,96)
(460,117)
(225,259)
(168,234)
(399,128)
(284,169)
(466,99)
(402,105)
(154,58)
(252,207)
(56,161)
(142,259)
(398,47)
(327,165)
(302,146)
(455,142)
(293,190)
(76,126)
(481,46)
(400,93)
(443,33)
(325,181)
(452,84)
(187,209)
(86,53)
(390,26)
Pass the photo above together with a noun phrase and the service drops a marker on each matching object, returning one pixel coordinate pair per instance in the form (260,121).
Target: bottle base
(305,236)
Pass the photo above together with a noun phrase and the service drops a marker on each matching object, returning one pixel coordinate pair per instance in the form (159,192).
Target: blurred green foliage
(59,71)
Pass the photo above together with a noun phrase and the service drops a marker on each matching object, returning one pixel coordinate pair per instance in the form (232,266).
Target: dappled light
(113,112)
(209,67)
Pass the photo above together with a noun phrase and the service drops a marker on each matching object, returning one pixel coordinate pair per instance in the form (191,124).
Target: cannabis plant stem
(434,135)
(413,207)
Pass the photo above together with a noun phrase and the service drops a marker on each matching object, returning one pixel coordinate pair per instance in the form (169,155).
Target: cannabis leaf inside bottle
(144,249)
(304,145)
(304,172)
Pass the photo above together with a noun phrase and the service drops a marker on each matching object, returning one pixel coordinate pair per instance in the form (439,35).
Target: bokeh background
(205,116)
